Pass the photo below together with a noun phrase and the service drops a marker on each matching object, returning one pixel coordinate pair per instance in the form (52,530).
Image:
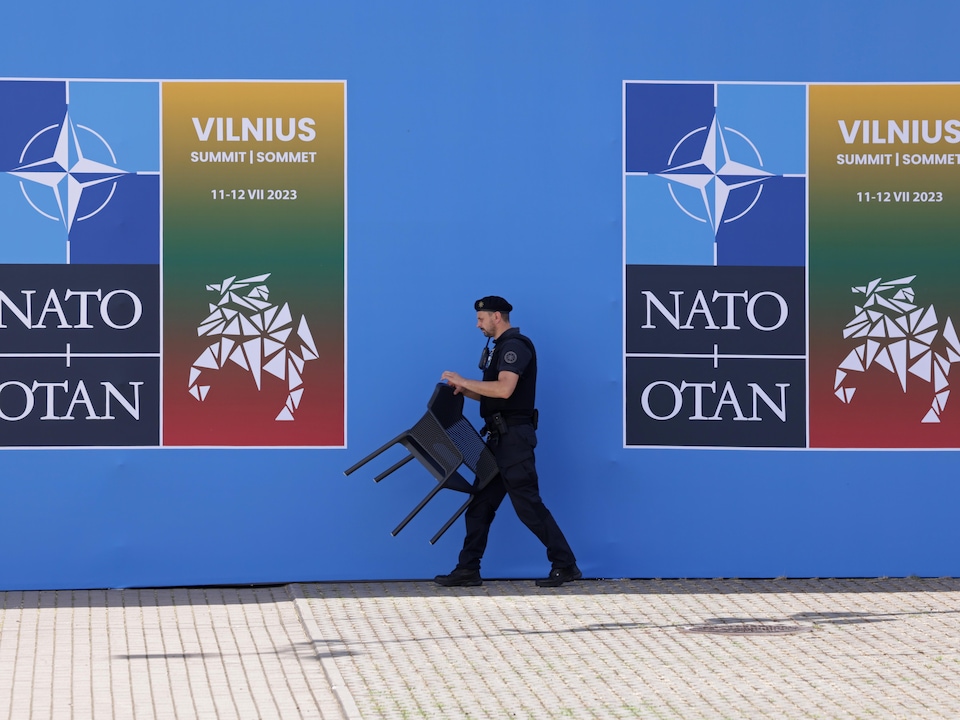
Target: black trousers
(518,479)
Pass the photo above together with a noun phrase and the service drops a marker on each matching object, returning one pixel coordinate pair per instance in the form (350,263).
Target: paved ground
(593,649)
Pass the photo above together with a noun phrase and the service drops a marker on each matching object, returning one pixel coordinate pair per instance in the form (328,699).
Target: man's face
(486,321)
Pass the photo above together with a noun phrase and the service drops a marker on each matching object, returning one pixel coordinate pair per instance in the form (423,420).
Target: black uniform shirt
(514,353)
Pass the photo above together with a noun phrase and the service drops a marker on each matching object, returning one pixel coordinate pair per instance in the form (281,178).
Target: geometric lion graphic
(255,334)
(901,337)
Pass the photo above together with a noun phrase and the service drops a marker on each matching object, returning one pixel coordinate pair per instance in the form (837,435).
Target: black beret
(492,303)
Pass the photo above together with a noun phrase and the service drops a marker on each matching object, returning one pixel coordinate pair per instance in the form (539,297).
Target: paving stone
(593,649)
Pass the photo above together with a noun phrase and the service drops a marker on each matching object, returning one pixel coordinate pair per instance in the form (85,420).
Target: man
(507,395)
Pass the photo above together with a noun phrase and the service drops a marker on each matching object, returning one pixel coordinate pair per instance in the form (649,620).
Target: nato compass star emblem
(68,173)
(715,173)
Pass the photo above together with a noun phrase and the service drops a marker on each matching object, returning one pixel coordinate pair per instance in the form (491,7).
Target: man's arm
(502,387)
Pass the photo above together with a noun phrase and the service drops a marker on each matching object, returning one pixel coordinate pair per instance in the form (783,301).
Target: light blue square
(126,115)
(658,231)
(773,118)
(26,236)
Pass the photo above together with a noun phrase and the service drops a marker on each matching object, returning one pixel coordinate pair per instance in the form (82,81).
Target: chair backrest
(445,405)
(476,455)
(447,408)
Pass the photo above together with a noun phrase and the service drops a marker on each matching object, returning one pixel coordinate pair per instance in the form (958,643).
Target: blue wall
(484,156)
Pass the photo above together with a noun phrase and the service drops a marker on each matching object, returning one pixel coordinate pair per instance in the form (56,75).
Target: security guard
(507,396)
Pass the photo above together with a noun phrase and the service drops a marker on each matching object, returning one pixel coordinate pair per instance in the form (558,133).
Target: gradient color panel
(210,235)
(893,235)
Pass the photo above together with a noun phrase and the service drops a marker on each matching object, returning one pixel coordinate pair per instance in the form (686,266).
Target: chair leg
(457,482)
(451,521)
(390,469)
(418,508)
(379,451)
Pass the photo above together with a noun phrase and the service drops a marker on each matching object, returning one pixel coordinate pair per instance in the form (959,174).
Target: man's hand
(502,387)
(455,379)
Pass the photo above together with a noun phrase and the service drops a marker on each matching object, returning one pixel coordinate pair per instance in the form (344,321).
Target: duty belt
(498,423)
(519,419)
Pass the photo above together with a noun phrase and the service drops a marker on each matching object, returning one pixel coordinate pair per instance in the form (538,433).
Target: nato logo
(79,172)
(715,174)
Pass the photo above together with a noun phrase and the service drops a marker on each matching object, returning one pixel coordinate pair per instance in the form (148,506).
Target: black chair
(442,441)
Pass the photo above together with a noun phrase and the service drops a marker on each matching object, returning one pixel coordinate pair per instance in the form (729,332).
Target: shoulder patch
(510,357)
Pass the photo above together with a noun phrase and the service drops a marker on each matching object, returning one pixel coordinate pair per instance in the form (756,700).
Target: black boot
(559,576)
(460,578)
